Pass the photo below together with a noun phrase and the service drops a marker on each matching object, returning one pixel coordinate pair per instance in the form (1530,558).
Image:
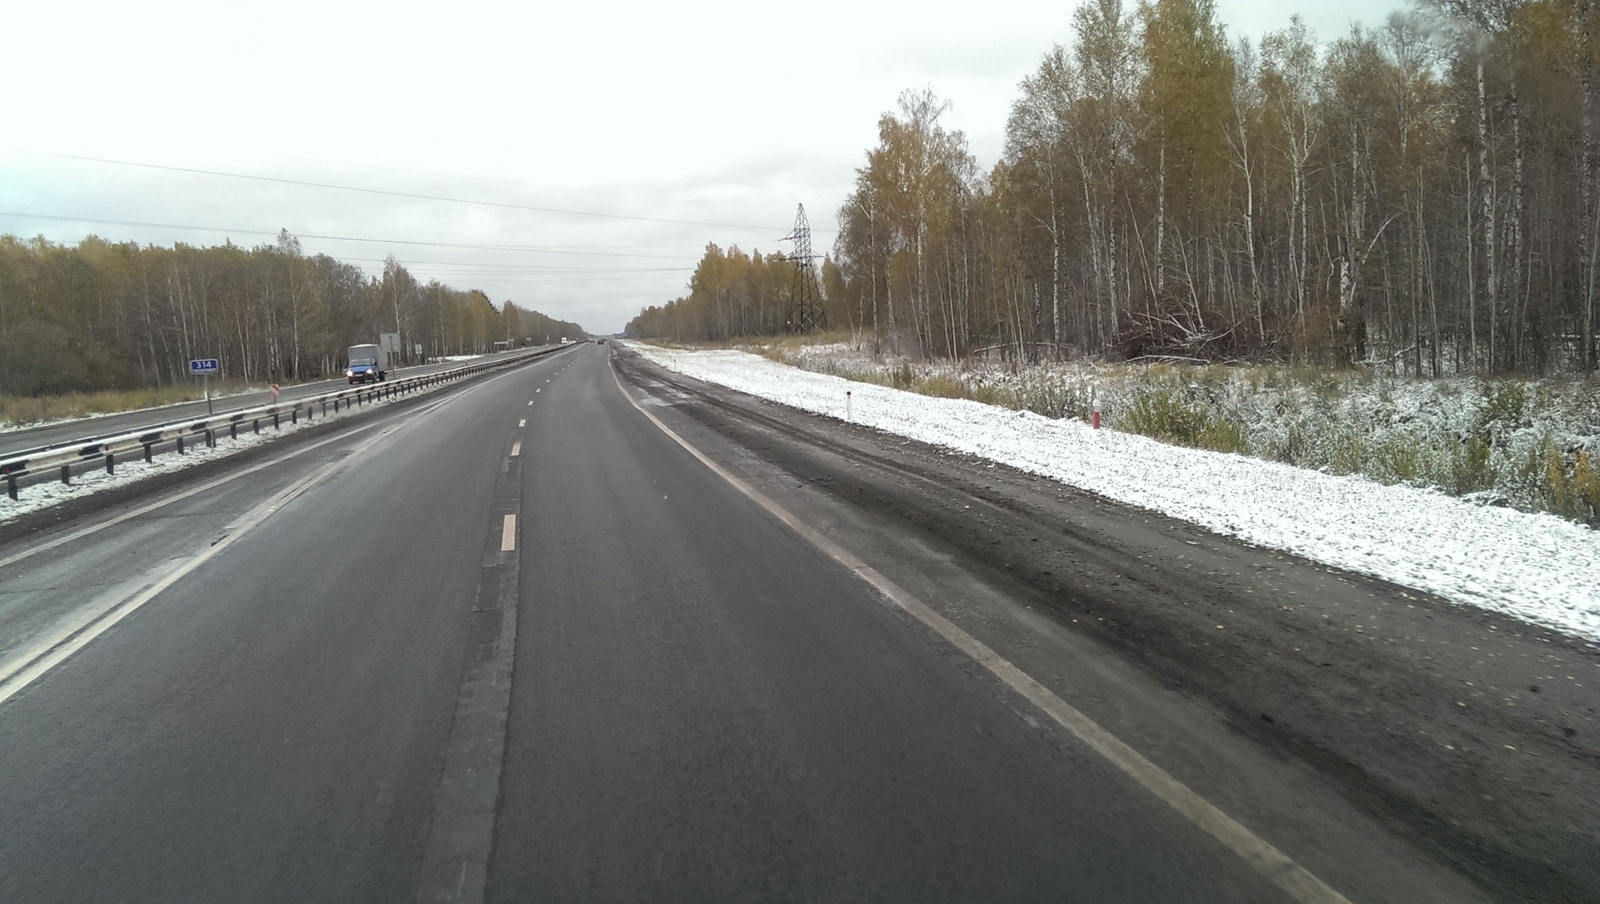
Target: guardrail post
(255,426)
(148,455)
(294,415)
(180,444)
(275,420)
(66,474)
(233,430)
(211,438)
(11,486)
(111,463)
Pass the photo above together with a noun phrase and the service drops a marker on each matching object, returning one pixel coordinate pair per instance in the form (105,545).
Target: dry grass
(16,411)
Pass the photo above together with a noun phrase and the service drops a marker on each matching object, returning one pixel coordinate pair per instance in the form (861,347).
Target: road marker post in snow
(1097,419)
(847,406)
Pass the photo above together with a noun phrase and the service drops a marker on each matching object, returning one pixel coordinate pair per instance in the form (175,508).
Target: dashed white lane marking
(1256,851)
(508,534)
(522,423)
(516,448)
(530,401)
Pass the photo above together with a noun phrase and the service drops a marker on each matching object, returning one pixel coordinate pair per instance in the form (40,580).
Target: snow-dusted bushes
(1530,444)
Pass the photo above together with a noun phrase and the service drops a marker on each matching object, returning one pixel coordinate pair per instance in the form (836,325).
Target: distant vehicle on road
(368,364)
(565,341)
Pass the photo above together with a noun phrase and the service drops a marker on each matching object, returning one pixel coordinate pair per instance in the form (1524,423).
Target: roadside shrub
(1503,410)
(943,387)
(1571,485)
(1470,471)
(1172,416)
(1398,459)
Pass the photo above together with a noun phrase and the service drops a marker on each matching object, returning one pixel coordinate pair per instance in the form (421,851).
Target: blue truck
(368,364)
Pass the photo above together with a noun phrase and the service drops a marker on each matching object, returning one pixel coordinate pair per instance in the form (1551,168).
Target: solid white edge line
(508,534)
(1253,849)
(79,533)
(59,647)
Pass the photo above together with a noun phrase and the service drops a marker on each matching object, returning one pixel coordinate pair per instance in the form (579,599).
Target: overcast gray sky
(573,160)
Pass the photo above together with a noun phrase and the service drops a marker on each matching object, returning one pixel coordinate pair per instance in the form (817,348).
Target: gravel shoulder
(1469,734)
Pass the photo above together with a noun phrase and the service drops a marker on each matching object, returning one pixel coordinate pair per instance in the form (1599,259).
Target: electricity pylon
(806,311)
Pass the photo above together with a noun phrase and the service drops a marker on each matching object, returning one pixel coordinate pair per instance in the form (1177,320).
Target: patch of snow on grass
(1537,567)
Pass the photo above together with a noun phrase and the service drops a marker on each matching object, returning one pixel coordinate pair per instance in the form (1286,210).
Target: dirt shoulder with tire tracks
(1469,733)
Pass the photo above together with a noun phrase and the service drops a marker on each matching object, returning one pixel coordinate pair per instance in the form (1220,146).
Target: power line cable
(586,191)
(344,238)
(396,194)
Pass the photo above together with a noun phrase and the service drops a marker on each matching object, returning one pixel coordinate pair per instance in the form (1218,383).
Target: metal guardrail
(96,452)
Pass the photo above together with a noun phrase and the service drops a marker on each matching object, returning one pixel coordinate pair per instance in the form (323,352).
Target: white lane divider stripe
(1275,865)
(516,448)
(508,534)
(522,423)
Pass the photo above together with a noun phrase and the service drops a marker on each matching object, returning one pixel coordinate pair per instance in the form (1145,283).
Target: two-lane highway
(703,704)
(706,708)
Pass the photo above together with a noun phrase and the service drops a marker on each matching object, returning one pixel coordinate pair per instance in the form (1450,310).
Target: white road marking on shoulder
(212,484)
(516,448)
(508,534)
(1288,875)
(56,648)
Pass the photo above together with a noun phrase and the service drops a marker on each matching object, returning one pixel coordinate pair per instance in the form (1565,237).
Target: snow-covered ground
(33,497)
(1533,566)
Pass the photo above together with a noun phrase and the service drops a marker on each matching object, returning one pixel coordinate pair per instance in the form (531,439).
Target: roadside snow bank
(1537,567)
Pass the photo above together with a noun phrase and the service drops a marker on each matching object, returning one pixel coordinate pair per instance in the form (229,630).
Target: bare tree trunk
(1486,200)
(1472,278)
(1517,279)
(1161,222)
(1589,234)
(1055,276)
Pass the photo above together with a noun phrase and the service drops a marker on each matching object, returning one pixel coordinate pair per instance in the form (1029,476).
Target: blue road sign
(202,366)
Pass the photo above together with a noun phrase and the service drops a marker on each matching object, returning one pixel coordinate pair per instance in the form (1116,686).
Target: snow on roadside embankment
(1537,567)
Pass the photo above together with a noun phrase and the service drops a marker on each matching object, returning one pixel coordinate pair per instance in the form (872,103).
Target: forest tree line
(732,293)
(1420,196)
(102,315)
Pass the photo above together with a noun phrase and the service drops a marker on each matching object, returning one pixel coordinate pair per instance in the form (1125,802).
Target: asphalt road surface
(514,642)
